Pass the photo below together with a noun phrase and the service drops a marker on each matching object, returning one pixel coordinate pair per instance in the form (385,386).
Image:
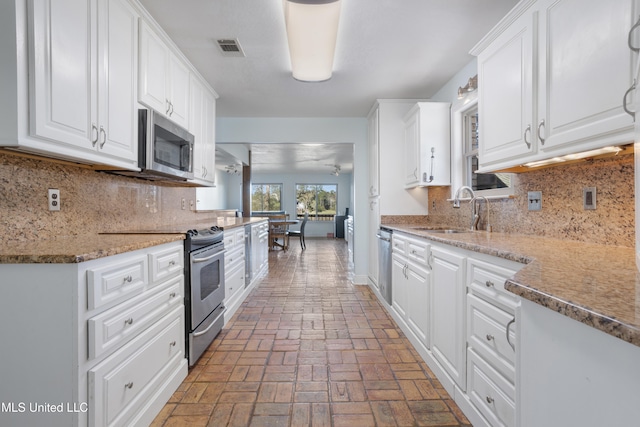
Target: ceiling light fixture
(336,170)
(312,29)
(613,150)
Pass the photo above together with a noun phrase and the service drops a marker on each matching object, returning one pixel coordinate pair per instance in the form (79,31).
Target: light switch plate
(589,198)
(535,200)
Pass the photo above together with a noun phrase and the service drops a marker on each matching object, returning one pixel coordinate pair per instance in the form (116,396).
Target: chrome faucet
(456,198)
(476,213)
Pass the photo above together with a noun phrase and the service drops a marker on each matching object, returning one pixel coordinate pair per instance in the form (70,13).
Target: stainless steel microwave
(164,147)
(165,150)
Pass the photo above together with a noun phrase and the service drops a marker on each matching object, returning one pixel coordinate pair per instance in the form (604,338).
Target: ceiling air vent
(230,47)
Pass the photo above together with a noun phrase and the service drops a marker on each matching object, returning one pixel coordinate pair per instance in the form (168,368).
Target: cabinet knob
(489,284)
(172,263)
(129,321)
(172,295)
(172,344)
(128,279)
(489,399)
(489,337)
(129,385)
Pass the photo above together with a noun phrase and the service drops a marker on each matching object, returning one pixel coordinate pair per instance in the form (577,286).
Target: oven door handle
(209,257)
(197,334)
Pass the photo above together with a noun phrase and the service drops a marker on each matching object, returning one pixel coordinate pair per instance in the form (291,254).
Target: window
(464,149)
(477,181)
(318,200)
(266,197)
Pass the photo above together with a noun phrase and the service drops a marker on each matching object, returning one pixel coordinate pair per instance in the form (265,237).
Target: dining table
(275,223)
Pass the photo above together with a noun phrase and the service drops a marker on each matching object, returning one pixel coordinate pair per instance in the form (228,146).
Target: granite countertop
(75,249)
(597,285)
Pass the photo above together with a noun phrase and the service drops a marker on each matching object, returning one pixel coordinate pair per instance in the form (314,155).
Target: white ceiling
(385,49)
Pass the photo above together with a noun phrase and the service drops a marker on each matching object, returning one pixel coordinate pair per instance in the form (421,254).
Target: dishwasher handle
(381,237)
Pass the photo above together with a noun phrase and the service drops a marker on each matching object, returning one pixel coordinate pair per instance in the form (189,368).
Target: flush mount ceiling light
(312,29)
(336,170)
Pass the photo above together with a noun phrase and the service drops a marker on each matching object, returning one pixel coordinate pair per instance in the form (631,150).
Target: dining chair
(300,233)
(278,230)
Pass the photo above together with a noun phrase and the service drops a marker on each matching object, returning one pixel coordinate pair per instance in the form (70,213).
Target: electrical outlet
(535,200)
(54,199)
(589,198)
(184,204)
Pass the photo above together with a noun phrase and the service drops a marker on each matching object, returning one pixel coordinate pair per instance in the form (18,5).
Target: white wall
(327,130)
(289,181)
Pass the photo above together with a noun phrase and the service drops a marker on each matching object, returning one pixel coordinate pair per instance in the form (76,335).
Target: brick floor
(308,348)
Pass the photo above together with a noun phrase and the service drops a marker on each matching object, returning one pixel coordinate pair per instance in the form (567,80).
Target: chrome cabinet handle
(540,125)
(489,399)
(631,46)
(129,321)
(129,385)
(624,100)
(511,322)
(128,279)
(168,107)
(104,136)
(172,344)
(172,295)
(172,263)
(430,261)
(489,337)
(528,129)
(489,284)
(94,131)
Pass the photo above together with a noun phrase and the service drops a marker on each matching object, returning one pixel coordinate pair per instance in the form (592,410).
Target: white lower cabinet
(234,269)
(259,248)
(452,305)
(448,326)
(111,332)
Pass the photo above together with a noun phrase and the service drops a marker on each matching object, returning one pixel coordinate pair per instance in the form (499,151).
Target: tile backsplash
(562,215)
(91,202)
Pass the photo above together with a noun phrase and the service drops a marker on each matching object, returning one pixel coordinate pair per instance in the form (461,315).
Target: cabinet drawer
(490,392)
(116,326)
(418,251)
(234,258)
(239,236)
(487,281)
(233,283)
(398,244)
(117,281)
(229,240)
(166,263)
(487,334)
(120,385)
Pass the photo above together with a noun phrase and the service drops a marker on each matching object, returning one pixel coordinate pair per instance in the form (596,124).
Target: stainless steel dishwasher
(384,263)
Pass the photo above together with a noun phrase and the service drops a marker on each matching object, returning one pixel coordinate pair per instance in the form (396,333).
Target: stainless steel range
(204,294)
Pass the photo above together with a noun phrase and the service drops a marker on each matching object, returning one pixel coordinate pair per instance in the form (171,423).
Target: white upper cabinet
(427,147)
(164,77)
(202,125)
(552,76)
(83,67)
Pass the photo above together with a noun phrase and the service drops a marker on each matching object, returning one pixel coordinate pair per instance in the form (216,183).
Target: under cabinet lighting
(312,30)
(577,156)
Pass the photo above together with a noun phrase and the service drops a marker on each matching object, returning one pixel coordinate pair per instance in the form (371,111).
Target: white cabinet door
(505,94)
(585,67)
(62,84)
(164,77)
(178,90)
(154,57)
(202,126)
(117,79)
(411,130)
(419,302)
(399,279)
(448,308)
